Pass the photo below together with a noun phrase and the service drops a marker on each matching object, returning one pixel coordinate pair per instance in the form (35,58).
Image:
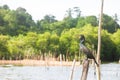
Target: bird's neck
(82,41)
(81,44)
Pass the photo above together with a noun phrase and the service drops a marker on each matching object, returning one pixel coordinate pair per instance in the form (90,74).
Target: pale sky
(39,8)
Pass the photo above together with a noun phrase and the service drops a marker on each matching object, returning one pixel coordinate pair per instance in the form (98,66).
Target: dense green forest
(21,37)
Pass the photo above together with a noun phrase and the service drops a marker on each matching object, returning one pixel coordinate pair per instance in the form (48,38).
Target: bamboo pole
(85,69)
(99,42)
(72,71)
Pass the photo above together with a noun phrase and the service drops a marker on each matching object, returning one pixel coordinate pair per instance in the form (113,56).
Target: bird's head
(82,38)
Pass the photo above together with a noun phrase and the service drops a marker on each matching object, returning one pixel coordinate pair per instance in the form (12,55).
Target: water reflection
(108,72)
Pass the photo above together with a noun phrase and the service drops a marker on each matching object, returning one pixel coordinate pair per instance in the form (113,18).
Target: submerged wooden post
(85,69)
(72,71)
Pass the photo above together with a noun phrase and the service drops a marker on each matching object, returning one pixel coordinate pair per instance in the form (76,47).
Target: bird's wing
(85,49)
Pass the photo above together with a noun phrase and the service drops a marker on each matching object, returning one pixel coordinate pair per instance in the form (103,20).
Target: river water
(108,72)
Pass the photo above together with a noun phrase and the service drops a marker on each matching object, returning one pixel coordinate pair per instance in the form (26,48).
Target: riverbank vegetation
(23,38)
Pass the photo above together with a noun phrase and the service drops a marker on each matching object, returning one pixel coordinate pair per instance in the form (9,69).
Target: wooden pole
(85,69)
(72,71)
(99,42)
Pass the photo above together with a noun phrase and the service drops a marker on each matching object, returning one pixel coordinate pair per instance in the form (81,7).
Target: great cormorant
(85,50)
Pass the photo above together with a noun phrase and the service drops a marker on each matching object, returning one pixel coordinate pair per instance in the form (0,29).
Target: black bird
(85,50)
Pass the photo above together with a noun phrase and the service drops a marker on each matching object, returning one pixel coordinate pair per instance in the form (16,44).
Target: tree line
(21,37)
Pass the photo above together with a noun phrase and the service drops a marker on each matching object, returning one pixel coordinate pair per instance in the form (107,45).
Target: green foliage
(16,46)
(116,40)
(30,44)
(108,48)
(82,21)
(3,47)
(54,43)
(70,22)
(46,23)
(109,24)
(21,37)
(64,42)
(15,22)
(92,20)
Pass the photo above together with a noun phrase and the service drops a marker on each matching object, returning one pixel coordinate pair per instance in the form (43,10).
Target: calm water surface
(108,72)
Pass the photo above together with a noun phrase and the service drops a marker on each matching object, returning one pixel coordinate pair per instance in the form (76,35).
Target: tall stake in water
(99,41)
